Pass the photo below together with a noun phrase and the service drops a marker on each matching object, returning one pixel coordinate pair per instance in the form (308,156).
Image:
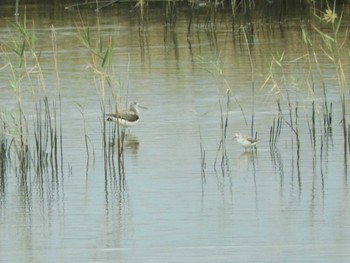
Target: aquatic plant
(275,129)
(202,154)
(252,84)
(4,144)
(213,66)
(58,107)
(327,113)
(88,142)
(32,138)
(293,124)
(170,13)
(108,86)
(222,144)
(332,44)
(96,49)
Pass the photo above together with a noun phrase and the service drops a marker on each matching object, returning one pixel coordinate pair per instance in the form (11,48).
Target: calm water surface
(270,205)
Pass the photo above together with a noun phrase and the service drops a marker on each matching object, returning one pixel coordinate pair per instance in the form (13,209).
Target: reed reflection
(278,165)
(116,191)
(120,143)
(3,158)
(129,142)
(171,43)
(118,227)
(117,208)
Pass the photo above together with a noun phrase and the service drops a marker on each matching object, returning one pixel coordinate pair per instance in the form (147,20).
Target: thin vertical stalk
(104,141)
(298,145)
(16,8)
(202,153)
(222,144)
(344,125)
(253,81)
(55,139)
(3,156)
(61,136)
(275,129)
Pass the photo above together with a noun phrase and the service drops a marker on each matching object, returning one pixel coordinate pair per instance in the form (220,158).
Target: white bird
(245,140)
(126,118)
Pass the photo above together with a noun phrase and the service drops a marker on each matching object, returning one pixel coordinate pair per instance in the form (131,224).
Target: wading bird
(245,141)
(126,118)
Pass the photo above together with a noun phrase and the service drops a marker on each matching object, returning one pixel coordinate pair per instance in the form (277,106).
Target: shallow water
(270,205)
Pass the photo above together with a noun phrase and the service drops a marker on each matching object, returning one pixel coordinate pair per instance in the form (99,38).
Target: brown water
(273,205)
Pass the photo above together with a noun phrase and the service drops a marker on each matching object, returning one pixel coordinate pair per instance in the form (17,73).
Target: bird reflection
(131,143)
(128,142)
(248,157)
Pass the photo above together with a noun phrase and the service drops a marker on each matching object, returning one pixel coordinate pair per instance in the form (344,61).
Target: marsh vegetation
(205,70)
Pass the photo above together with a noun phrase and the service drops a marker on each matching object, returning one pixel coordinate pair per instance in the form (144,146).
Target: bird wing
(114,115)
(128,116)
(251,139)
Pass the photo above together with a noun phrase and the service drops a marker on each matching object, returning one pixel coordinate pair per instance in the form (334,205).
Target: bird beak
(142,107)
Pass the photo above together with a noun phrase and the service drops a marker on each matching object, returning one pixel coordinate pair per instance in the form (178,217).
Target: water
(272,205)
